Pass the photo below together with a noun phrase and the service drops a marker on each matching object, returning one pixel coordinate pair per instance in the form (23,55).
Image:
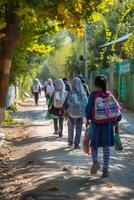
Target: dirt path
(44,168)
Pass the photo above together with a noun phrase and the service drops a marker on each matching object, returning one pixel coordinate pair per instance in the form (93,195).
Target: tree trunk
(7,47)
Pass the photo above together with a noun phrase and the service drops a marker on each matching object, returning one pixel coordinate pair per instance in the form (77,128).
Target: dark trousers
(74,125)
(36,98)
(58,124)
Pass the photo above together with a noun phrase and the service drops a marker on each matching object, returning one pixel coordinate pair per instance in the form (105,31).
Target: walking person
(75,108)
(67,84)
(84,85)
(58,99)
(36,90)
(49,89)
(103,110)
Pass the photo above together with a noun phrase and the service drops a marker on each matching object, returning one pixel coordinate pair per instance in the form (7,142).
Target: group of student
(66,100)
(100,109)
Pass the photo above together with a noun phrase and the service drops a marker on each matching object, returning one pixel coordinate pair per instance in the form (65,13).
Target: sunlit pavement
(52,171)
(127,122)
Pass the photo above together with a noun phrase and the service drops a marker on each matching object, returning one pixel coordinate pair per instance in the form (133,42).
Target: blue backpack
(76,104)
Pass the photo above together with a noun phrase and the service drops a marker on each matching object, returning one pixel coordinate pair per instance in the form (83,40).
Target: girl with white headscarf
(49,87)
(36,90)
(75,108)
(59,97)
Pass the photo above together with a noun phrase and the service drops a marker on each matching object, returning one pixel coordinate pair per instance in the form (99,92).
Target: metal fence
(123,81)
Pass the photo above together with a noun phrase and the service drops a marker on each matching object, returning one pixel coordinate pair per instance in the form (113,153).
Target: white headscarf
(36,82)
(59,85)
(50,83)
(77,86)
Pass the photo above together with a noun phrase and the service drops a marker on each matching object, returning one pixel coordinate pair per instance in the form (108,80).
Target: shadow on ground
(33,115)
(49,175)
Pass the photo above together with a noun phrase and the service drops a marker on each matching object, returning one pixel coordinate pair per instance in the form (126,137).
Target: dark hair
(101,82)
(65,79)
(83,80)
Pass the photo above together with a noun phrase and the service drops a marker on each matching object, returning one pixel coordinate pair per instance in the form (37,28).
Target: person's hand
(117,128)
(65,115)
(87,123)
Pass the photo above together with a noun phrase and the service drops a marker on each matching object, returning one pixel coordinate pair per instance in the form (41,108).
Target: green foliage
(107,27)
(120,22)
(74,65)
(13,108)
(25,68)
(96,37)
(53,65)
(128,47)
(19,68)
(37,20)
(40,19)
(8,118)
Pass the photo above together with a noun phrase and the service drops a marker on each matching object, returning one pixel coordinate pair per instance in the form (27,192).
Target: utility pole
(85,50)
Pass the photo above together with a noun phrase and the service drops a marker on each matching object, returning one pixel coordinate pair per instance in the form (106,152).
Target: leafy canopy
(43,17)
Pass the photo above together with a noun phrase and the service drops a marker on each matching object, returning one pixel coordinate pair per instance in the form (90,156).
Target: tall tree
(21,20)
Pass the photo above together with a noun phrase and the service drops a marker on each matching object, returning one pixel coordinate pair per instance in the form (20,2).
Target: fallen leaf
(109,185)
(26,177)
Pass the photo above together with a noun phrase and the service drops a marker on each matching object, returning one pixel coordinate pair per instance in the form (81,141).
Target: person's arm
(87,90)
(89,107)
(65,105)
(40,89)
(69,87)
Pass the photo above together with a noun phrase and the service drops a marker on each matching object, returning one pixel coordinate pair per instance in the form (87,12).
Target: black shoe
(76,146)
(94,169)
(105,174)
(60,134)
(56,133)
(70,144)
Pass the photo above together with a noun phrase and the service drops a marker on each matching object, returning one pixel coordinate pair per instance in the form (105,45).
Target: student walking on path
(56,108)
(49,89)
(102,123)
(36,90)
(67,84)
(75,108)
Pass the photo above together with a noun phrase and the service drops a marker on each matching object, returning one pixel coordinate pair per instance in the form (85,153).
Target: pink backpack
(106,108)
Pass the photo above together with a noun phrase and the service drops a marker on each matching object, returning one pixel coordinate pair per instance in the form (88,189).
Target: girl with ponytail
(102,132)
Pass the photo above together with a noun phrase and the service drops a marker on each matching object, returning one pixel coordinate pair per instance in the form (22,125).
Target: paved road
(52,171)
